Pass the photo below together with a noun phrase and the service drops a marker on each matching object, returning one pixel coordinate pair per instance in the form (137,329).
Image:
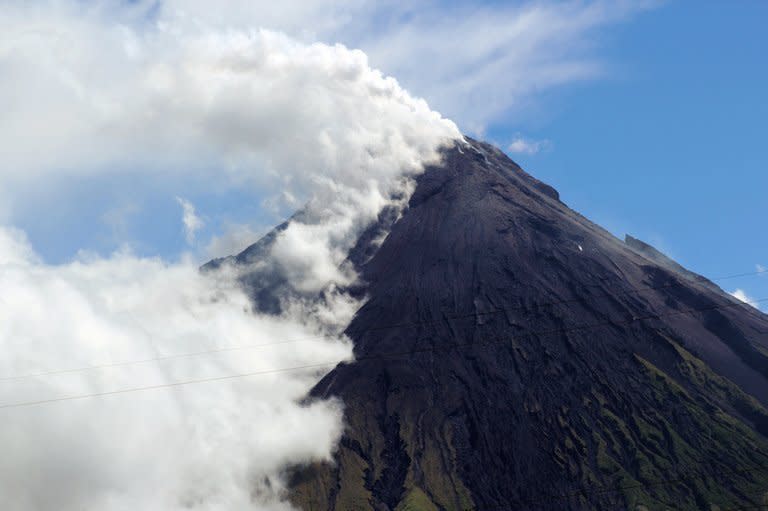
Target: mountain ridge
(546,409)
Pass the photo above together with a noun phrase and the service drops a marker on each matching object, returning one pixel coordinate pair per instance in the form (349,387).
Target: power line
(747,274)
(577,493)
(161,358)
(373,329)
(368,358)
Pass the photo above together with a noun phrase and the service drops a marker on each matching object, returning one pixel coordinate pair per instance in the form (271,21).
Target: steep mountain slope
(513,355)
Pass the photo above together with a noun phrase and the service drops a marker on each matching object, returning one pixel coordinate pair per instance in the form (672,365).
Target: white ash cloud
(207,446)
(93,97)
(314,122)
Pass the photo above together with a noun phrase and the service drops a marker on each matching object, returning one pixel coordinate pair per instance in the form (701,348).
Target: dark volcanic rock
(514,355)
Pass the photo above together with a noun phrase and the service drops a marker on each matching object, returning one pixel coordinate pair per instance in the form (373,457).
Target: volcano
(513,355)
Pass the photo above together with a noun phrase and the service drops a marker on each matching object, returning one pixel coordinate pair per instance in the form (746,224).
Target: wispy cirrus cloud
(479,64)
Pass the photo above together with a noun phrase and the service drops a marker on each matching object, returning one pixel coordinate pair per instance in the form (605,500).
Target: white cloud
(258,109)
(208,446)
(175,103)
(761,268)
(192,222)
(526,146)
(474,63)
(741,295)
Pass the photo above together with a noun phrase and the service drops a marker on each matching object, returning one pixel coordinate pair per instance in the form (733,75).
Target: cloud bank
(255,104)
(209,446)
(93,97)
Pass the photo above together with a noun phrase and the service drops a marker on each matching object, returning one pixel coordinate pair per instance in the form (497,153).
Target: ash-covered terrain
(511,354)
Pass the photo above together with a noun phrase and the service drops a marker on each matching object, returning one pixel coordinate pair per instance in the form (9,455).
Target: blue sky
(649,117)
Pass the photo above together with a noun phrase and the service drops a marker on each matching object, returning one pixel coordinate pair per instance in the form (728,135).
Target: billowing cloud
(170,103)
(86,74)
(192,223)
(314,122)
(522,145)
(218,445)
(254,106)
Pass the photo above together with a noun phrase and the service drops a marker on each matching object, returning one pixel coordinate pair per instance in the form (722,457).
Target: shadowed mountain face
(513,355)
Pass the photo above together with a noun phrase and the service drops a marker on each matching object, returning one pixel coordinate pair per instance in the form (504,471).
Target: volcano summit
(511,354)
